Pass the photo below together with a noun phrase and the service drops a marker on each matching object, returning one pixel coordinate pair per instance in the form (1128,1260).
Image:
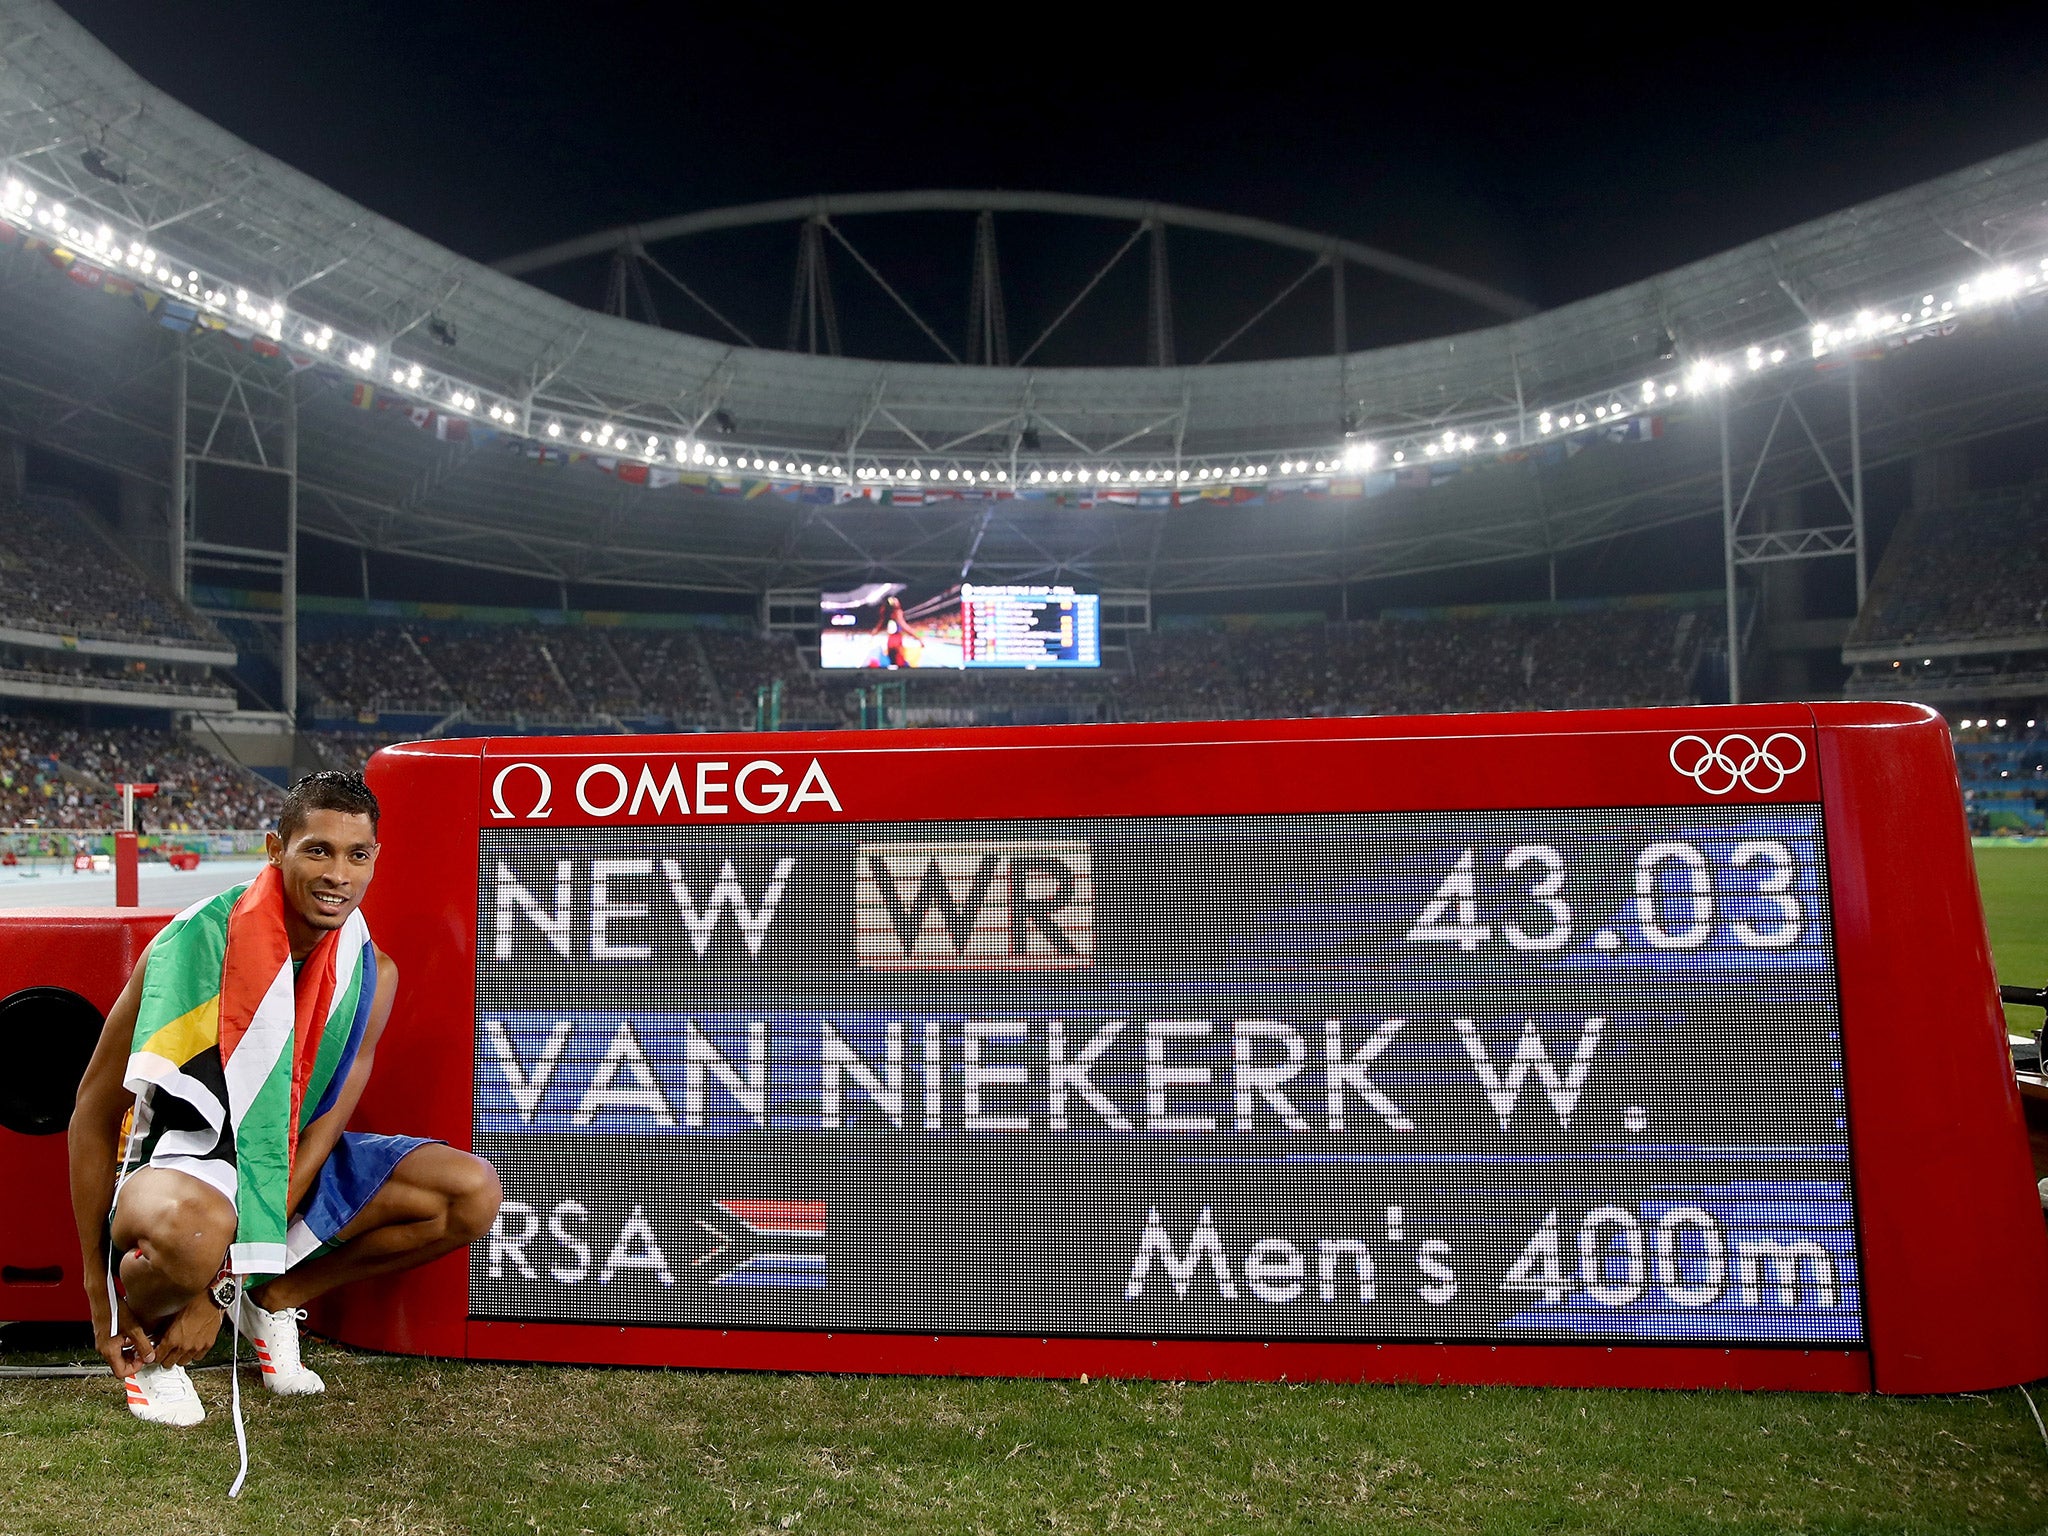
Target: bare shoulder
(387,973)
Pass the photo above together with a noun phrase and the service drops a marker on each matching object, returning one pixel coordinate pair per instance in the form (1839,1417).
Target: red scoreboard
(1648,1048)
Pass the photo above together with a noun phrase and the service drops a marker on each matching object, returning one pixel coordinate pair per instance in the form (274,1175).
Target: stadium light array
(98,238)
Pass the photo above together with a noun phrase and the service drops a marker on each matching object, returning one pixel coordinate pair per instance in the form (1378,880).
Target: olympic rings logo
(1718,767)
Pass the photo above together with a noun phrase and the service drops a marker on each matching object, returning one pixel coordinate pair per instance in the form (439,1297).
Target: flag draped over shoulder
(233,1056)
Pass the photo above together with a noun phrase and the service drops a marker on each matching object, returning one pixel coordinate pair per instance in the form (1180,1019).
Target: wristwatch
(225,1289)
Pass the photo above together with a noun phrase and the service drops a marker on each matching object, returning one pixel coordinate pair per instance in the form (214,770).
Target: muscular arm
(95,1134)
(318,1139)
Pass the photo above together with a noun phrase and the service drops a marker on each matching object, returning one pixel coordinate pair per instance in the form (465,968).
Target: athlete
(212,1176)
(902,646)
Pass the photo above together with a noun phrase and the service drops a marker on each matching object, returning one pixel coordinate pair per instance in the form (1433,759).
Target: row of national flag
(452,427)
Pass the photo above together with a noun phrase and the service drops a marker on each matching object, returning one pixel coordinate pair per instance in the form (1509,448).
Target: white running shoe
(163,1394)
(275,1337)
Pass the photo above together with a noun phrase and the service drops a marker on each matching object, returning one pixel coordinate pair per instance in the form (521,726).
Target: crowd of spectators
(590,670)
(58,575)
(710,678)
(491,672)
(498,671)
(54,774)
(1964,570)
(669,668)
(372,670)
(744,663)
(351,751)
(1186,674)
(1498,661)
(125,674)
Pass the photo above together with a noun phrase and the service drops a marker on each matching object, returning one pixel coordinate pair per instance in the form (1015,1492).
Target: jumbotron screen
(1470,1077)
(882,625)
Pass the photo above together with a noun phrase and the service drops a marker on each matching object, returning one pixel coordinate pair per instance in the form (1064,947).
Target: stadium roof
(453,340)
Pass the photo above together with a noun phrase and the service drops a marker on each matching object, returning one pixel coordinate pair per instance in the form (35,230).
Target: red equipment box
(60,970)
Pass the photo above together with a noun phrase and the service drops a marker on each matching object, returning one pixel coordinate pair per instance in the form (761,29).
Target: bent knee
(182,1233)
(474,1199)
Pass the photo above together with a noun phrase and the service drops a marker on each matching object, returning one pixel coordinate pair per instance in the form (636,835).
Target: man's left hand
(191,1333)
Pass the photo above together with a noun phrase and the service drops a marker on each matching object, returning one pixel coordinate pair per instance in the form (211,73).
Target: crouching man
(211,1174)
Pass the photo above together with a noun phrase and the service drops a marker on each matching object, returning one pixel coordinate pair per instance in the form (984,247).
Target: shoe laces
(283,1342)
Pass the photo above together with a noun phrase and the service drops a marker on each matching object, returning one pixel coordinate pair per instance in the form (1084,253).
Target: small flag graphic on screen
(765,1242)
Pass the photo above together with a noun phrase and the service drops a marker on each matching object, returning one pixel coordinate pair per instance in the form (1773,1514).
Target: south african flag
(234,1054)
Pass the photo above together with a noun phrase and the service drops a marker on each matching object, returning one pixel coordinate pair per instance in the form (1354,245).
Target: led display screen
(882,625)
(1458,1076)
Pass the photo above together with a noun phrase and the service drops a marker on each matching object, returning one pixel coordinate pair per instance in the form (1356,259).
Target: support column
(1340,330)
(1782,602)
(175,510)
(1728,561)
(1159,316)
(1856,486)
(288,666)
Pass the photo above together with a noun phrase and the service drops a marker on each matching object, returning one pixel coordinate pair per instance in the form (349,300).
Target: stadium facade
(255,359)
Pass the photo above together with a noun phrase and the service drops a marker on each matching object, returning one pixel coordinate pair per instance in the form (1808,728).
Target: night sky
(1554,154)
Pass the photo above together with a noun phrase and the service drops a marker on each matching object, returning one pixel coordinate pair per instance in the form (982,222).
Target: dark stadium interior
(444,590)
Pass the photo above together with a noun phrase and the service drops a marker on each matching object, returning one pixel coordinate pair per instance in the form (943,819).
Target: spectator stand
(57,774)
(1958,611)
(81,624)
(446,669)
(463,671)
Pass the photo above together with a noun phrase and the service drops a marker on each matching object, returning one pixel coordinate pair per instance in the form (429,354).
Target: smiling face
(326,867)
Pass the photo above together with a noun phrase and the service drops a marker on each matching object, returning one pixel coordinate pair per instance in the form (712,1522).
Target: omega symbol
(500,811)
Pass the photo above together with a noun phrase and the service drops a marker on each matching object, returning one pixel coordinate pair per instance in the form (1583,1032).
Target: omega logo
(500,811)
(604,789)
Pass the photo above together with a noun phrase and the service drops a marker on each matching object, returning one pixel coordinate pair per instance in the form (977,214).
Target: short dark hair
(327,790)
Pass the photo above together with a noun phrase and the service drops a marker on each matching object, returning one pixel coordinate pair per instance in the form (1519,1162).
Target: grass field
(407,1446)
(2015,883)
